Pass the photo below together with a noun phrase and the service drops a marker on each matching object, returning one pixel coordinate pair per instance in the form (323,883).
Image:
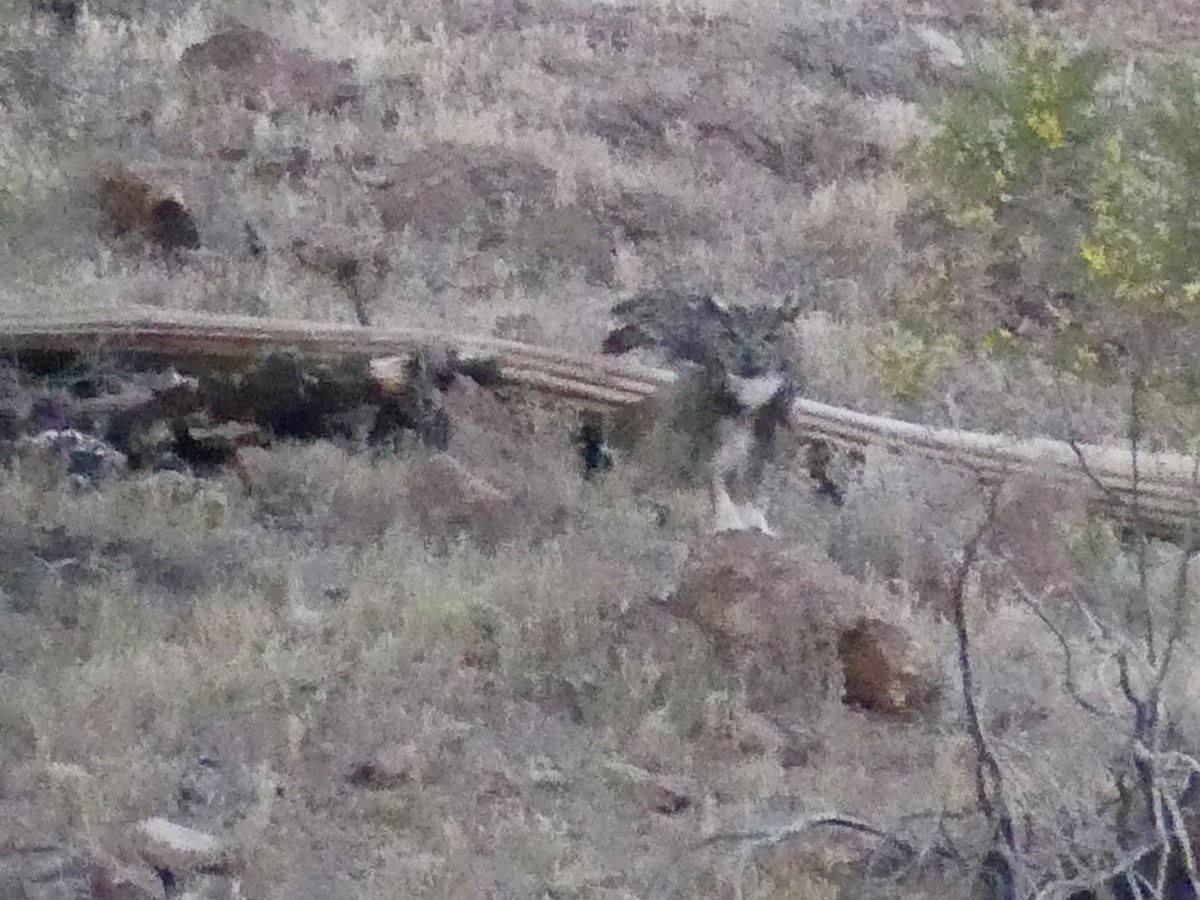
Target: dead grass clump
(902,523)
(323,491)
(446,501)
(1036,517)
(438,189)
(263,74)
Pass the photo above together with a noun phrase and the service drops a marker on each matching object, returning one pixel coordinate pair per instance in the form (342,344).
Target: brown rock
(132,205)
(880,672)
(769,609)
(239,49)
(748,590)
(125,200)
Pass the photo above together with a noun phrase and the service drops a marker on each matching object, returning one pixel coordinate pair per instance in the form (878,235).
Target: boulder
(133,206)
(169,846)
(881,672)
(86,459)
(942,53)
(768,609)
(792,623)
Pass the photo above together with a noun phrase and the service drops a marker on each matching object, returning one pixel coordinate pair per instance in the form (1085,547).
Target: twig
(1139,527)
(1085,467)
(989,791)
(751,841)
(1180,616)
(769,837)
(1125,867)
(1183,841)
(1030,601)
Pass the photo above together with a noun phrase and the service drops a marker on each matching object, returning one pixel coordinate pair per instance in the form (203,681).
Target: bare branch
(1139,526)
(1189,762)
(1125,867)
(1168,839)
(989,787)
(1109,494)
(1180,613)
(751,841)
(1164,840)
(770,837)
(1030,601)
(1183,841)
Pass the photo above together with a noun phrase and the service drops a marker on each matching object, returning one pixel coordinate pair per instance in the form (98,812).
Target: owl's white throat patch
(753,393)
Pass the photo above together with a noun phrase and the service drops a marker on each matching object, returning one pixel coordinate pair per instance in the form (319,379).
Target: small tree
(1066,194)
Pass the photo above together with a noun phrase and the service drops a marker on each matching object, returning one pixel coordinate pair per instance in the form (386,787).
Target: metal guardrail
(1167,484)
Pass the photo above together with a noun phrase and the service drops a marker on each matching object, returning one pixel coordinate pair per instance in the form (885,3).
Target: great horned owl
(743,381)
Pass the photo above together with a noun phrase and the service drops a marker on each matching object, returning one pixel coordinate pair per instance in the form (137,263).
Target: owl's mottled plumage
(745,380)
(698,328)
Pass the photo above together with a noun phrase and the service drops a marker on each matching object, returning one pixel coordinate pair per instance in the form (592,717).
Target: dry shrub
(439,188)
(445,501)
(1032,722)
(836,363)
(657,685)
(150,543)
(855,219)
(820,867)
(256,69)
(508,477)
(1036,515)
(904,522)
(323,491)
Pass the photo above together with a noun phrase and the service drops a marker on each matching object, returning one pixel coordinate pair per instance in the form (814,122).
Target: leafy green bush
(906,363)
(1001,133)
(1065,193)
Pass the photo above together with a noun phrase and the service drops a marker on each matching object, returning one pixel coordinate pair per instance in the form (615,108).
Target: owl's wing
(687,327)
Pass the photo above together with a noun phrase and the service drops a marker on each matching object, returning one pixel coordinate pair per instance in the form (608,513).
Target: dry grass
(165,643)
